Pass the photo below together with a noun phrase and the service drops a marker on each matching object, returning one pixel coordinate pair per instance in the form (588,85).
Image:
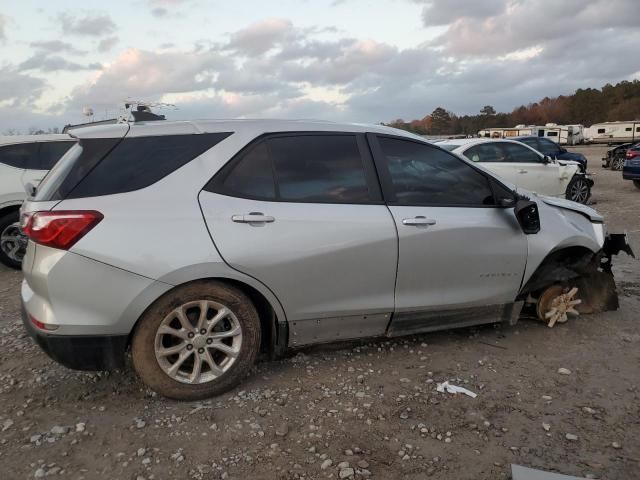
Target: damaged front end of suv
(570,269)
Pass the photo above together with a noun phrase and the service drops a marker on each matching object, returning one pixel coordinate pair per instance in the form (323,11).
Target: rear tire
(9,230)
(578,190)
(180,312)
(637,184)
(617,163)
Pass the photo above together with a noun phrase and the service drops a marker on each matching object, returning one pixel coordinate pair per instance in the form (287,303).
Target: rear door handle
(419,220)
(523,171)
(253,217)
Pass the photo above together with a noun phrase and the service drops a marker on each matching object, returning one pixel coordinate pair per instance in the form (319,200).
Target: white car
(525,167)
(24,159)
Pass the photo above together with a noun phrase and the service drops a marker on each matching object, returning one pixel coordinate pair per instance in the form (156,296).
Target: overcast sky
(355,60)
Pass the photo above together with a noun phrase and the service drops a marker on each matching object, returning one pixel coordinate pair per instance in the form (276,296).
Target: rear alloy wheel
(197,341)
(617,163)
(578,190)
(13,243)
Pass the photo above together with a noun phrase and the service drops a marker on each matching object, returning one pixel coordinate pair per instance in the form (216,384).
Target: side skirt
(408,323)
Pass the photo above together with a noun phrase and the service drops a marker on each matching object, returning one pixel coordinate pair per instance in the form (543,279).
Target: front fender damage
(575,268)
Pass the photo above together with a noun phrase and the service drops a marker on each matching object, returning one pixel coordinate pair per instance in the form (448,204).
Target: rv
(562,134)
(613,132)
(499,132)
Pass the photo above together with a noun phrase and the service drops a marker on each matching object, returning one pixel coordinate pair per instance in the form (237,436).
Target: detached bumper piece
(80,352)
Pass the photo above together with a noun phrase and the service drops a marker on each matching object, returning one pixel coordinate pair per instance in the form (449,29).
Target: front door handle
(253,217)
(419,220)
(523,171)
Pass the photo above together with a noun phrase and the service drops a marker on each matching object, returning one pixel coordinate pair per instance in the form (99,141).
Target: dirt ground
(372,404)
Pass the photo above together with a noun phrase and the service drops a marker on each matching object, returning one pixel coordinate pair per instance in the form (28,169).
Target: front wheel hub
(556,303)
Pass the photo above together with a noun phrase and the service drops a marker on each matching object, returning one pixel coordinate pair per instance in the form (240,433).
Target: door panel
(458,252)
(320,260)
(466,257)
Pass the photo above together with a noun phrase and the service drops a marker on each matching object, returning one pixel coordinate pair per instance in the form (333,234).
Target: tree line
(585,106)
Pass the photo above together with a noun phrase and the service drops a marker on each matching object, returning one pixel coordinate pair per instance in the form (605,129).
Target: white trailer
(613,132)
(562,134)
(506,132)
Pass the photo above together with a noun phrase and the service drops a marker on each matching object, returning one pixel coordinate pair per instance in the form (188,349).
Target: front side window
(515,153)
(532,142)
(424,175)
(298,168)
(18,155)
(548,147)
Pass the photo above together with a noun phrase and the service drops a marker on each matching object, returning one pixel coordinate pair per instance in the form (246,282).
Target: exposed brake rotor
(556,303)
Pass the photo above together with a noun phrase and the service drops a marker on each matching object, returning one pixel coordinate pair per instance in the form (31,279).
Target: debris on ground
(449,388)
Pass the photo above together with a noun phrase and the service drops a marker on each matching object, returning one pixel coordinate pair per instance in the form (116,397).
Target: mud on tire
(148,351)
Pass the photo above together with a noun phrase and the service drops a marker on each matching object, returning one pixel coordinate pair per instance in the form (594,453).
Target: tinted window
(73,167)
(552,134)
(601,130)
(319,168)
(628,129)
(515,153)
(424,175)
(18,155)
(448,146)
(50,153)
(486,152)
(637,129)
(253,175)
(548,147)
(138,162)
(532,142)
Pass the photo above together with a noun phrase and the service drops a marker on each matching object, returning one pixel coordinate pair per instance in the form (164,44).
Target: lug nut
(201,350)
(190,335)
(209,341)
(203,331)
(189,347)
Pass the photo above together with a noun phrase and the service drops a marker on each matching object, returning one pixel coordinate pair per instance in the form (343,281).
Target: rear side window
(549,147)
(515,153)
(424,175)
(532,142)
(18,155)
(298,168)
(50,153)
(138,162)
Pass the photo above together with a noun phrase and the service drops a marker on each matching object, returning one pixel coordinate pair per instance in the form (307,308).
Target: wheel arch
(272,317)
(561,264)
(9,208)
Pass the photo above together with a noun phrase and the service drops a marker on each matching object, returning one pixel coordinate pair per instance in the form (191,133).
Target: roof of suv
(467,142)
(13,139)
(212,126)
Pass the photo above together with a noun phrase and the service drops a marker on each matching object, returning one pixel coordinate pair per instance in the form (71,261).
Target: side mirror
(528,217)
(30,189)
(506,202)
(547,160)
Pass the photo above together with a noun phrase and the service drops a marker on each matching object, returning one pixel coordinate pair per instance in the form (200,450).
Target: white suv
(24,159)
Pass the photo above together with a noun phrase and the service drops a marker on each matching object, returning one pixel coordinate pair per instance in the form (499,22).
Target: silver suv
(198,245)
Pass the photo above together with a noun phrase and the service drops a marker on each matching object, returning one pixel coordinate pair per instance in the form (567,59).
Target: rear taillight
(59,229)
(632,153)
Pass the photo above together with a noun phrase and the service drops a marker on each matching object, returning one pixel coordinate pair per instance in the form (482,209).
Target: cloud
(56,46)
(262,36)
(88,25)
(106,44)
(159,12)
(17,88)
(444,12)
(3,25)
(46,62)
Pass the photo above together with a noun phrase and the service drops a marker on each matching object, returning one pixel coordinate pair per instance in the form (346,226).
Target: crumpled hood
(590,213)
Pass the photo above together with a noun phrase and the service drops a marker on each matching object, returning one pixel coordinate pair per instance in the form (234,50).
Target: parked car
(24,159)
(552,150)
(197,245)
(522,165)
(615,157)
(631,168)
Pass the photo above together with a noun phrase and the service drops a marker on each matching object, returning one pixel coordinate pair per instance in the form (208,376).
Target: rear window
(18,155)
(50,153)
(111,166)
(448,146)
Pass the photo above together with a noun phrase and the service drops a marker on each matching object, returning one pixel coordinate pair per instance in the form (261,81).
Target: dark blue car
(631,168)
(553,150)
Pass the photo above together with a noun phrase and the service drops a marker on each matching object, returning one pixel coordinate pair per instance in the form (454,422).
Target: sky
(347,60)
